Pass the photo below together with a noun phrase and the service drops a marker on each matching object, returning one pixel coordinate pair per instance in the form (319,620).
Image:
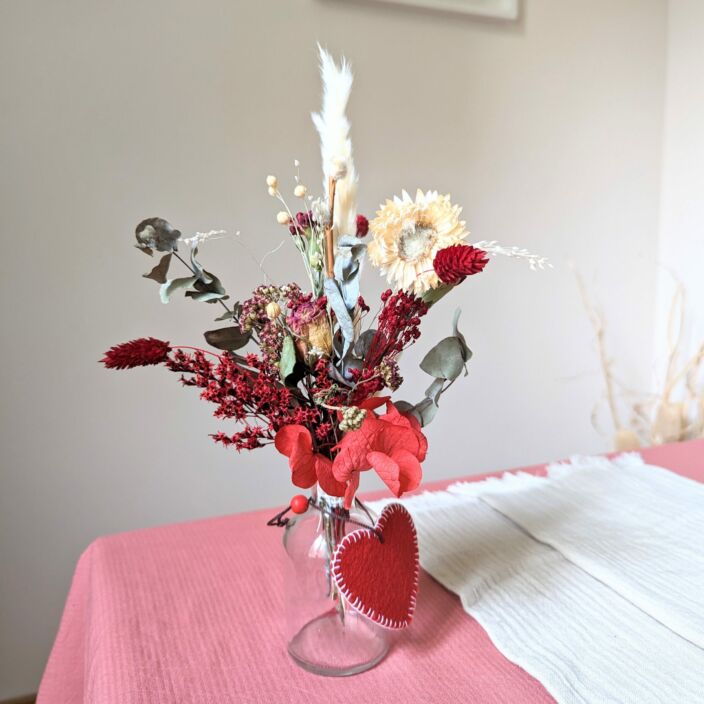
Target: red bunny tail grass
(137,353)
(454,263)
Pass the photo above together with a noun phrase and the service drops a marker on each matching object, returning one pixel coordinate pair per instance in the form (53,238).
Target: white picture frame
(499,9)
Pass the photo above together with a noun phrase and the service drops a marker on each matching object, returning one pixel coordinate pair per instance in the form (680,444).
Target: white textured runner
(581,635)
(636,527)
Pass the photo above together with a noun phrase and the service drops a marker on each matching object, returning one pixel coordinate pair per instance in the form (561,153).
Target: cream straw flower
(406,235)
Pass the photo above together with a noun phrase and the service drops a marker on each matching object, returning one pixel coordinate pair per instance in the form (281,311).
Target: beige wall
(681,246)
(548,131)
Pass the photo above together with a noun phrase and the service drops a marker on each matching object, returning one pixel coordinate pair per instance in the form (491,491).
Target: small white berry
(272,181)
(273,310)
(283,218)
(300,191)
(272,191)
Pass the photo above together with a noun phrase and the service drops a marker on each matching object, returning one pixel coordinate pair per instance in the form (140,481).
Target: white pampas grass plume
(335,144)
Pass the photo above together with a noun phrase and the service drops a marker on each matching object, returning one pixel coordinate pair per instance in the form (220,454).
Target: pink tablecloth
(192,613)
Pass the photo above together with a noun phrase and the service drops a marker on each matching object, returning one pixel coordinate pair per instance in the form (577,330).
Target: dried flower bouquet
(319,386)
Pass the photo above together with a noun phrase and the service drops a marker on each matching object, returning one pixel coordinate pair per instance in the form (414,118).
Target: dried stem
(329,240)
(597,322)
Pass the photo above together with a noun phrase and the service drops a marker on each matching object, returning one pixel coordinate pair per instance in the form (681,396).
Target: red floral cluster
(397,327)
(143,352)
(249,392)
(454,263)
(301,223)
(392,444)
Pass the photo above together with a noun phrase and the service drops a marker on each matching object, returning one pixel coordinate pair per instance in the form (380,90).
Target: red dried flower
(307,466)
(391,443)
(362,226)
(137,353)
(454,263)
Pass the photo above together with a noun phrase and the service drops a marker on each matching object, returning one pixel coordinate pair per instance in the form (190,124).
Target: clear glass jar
(325,635)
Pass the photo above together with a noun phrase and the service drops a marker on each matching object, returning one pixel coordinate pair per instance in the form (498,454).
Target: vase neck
(322,497)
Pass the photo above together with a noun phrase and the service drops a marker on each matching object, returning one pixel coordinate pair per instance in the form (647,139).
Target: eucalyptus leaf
(159,272)
(344,320)
(434,391)
(172,286)
(361,347)
(205,296)
(287,363)
(448,358)
(445,360)
(156,233)
(466,352)
(227,315)
(433,295)
(425,411)
(348,264)
(404,406)
(200,272)
(338,376)
(231,338)
(207,288)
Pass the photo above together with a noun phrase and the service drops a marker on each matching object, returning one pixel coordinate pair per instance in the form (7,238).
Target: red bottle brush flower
(143,352)
(454,263)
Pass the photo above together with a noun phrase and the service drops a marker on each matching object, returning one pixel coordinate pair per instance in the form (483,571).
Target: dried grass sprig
(535,261)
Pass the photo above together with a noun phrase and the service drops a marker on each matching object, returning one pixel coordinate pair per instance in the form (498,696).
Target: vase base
(324,646)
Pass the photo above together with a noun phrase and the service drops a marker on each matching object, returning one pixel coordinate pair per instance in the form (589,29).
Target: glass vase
(325,635)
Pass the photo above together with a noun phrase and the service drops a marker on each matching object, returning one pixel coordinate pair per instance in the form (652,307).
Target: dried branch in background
(672,414)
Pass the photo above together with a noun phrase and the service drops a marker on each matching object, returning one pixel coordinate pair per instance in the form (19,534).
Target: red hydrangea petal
(410,473)
(326,479)
(287,438)
(352,486)
(374,402)
(295,442)
(387,469)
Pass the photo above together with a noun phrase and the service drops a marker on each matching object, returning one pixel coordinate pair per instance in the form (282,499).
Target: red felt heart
(377,571)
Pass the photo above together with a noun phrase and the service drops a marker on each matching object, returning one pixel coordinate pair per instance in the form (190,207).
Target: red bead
(299,503)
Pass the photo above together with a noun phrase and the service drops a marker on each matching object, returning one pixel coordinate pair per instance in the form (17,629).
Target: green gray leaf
(172,286)
(231,338)
(448,358)
(444,361)
(233,314)
(287,363)
(348,263)
(156,233)
(433,295)
(344,320)
(207,288)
